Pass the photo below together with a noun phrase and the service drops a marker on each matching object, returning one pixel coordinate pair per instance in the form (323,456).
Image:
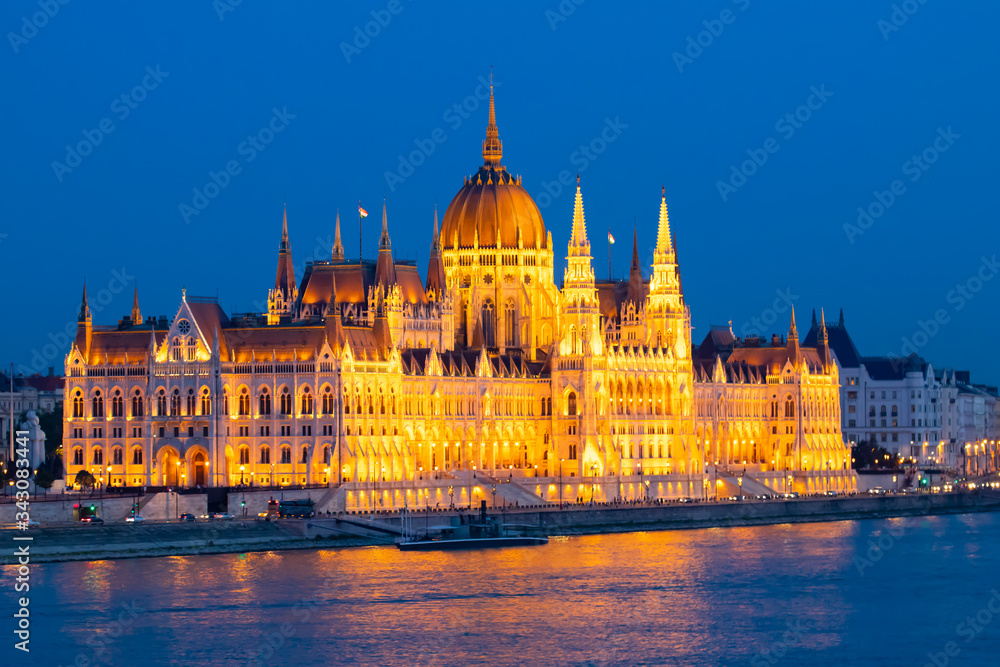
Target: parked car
(763,496)
(134,519)
(223,516)
(735,498)
(830,493)
(92,519)
(187,516)
(877,491)
(686,500)
(791,495)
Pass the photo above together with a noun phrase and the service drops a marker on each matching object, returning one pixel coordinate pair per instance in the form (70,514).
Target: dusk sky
(900,97)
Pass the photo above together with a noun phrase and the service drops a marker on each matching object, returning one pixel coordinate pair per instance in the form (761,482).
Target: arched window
(244,404)
(137,407)
(78,403)
(117,404)
(225,400)
(488,320)
(206,402)
(895,412)
(265,454)
(285,401)
(137,456)
(191,401)
(307,401)
(116,456)
(175,349)
(78,456)
(97,407)
(305,454)
(191,349)
(98,456)
(368,401)
(264,402)
(286,455)
(381,402)
(789,408)
(326,455)
(509,323)
(571,405)
(244,456)
(347,402)
(572,340)
(871,411)
(882,412)
(327,402)
(175,402)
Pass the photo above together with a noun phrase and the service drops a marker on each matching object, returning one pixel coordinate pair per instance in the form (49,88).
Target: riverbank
(85,542)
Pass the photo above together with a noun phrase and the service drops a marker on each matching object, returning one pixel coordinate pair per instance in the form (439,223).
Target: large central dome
(491,201)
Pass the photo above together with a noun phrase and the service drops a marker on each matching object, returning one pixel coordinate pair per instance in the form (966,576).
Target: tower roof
(284,279)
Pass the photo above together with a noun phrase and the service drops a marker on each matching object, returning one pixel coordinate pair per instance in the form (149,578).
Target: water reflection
(714,596)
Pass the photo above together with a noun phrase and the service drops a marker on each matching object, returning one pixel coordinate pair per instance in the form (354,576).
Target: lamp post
(472,471)
(242,468)
(593,486)
(639,465)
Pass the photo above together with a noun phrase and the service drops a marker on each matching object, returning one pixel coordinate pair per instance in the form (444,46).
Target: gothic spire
(793,331)
(578,243)
(663,241)
(384,243)
(636,267)
(792,345)
(337,255)
(284,230)
(284,279)
(136,314)
(435,265)
(492,146)
(84,307)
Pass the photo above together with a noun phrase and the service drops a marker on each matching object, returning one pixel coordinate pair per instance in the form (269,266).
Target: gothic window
(161,403)
(97,407)
(789,408)
(191,402)
(137,456)
(572,340)
(871,411)
(571,404)
(326,455)
(137,404)
(347,402)
(286,455)
(244,456)
(117,404)
(368,402)
(78,456)
(509,323)
(882,412)
(489,323)
(244,405)
(305,455)
(285,401)
(191,349)
(265,454)
(175,403)
(225,400)
(381,402)
(327,401)
(77,403)
(98,456)
(116,456)
(392,401)
(572,451)
(264,402)
(206,402)
(895,411)
(307,401)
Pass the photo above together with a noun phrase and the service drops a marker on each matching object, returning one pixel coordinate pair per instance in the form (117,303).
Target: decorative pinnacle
(492,146)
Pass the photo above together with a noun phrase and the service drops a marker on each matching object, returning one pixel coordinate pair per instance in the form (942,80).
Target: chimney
(51,371)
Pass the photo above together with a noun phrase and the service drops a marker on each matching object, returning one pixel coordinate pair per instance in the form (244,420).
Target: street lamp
(560,483)
(242,468)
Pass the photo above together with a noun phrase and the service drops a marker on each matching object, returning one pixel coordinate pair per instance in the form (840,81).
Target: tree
(869,455)
(43,478)
(85,479)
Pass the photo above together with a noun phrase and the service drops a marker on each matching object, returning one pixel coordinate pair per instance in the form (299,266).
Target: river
(886,592)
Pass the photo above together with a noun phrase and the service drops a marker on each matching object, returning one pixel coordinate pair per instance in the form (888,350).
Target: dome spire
(578,238)
(492,147)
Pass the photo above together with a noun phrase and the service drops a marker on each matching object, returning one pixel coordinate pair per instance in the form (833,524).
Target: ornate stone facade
(392,390)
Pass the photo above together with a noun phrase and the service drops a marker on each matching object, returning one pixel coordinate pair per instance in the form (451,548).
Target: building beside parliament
(392,388)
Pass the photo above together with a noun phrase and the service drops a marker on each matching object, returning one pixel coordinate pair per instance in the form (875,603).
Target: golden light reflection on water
(699,597)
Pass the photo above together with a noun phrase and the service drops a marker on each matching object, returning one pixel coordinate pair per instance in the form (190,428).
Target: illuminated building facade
(392,389)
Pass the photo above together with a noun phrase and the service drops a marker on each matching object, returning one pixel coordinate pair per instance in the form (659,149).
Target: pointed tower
(667,315)
(792,346)
(84,327)
(136,313)
(385,267)
(823,343)
(579,321)
(636,286)
(492,146)
(332,318)
(285,292)
(435,266)
(337,254)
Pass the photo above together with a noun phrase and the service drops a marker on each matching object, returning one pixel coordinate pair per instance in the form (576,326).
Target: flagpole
(609,254)
(359,232)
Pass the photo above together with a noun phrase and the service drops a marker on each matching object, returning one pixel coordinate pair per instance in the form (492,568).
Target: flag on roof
(362,212)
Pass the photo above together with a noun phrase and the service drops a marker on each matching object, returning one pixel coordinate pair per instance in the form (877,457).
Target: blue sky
(692,90)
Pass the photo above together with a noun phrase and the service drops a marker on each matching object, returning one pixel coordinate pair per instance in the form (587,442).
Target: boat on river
(465,532)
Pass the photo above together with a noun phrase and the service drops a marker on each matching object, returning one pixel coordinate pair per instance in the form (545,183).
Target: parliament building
(483,380)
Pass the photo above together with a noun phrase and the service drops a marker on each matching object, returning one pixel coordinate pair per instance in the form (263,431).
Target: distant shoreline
(112,542)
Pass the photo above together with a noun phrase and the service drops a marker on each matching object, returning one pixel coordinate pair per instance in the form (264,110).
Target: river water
(878,592)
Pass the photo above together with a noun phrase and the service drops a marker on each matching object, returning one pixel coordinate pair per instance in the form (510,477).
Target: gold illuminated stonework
(484,378)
